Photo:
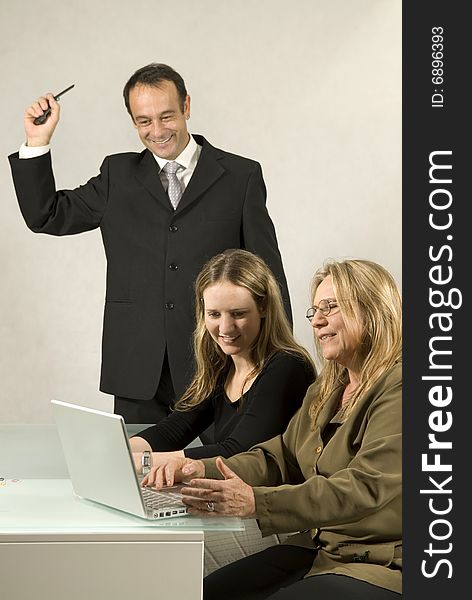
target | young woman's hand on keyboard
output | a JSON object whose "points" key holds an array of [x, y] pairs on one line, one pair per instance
{"points": [[172, 467]]}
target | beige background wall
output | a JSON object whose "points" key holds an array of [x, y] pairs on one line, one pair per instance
{"points": [[312, 90]]}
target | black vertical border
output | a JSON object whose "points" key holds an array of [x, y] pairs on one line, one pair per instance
{"points": [[428, 128]]}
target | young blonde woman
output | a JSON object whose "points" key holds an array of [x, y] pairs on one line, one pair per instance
{"points": [[251, 375]]}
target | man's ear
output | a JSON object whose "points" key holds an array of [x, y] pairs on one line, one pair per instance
{"points": [[187, 107]]}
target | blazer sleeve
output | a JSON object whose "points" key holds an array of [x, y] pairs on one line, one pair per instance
{"points": [[259, 234], [367, 484], [63, 212], [271, 463], [267, 409]]}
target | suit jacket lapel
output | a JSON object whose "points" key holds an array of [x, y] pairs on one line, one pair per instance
{"points": [[330, 408], [148, 175], [207, 171]]}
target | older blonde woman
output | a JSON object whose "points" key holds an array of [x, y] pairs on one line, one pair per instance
{"points": [[335, 474]]}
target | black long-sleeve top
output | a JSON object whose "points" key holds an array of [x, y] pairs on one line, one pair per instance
{"points": [[261, 413]]}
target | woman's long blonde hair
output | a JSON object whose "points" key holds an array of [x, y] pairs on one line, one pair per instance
{"points": [[369, 300], [244, 269]]}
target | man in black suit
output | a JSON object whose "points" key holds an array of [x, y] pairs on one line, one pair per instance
{"points": [[162, 214]]}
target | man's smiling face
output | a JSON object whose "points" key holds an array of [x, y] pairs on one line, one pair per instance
{"points": [[160, 118]]}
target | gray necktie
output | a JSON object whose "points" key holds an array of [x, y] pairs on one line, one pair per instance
{"points": [[174, 190]]}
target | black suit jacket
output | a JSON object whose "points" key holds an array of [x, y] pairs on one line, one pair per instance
{"points": [[153, 252]]}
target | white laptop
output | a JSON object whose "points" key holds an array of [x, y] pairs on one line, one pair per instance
{"points": [[100, 464]]}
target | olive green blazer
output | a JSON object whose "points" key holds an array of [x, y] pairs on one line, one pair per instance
{"points": [[344, 498]]}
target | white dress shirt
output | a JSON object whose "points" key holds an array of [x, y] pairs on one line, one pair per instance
{"points": [[188, 158]]}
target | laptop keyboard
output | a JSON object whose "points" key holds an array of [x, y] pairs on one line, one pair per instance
{"points": [[157, 500]]}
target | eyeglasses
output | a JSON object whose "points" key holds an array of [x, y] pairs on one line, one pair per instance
{"points": [[325, 307]]}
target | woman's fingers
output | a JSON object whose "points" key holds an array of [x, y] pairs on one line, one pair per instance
{"points": [[231, 496], [154, 478], [169, 474]]}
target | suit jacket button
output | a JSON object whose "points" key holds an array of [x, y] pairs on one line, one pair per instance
{"points": [[173, 267], [173, 228], [318, 449], [169, 305]]}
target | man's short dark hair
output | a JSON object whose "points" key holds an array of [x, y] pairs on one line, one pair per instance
{"points": [[153, 75]]}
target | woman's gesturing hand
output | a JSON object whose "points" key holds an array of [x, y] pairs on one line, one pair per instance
{"points": [[230, 497]]}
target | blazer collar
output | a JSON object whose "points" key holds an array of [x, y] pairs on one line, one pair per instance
{"points": [[148, 174], [208, 170], [329, 410]]}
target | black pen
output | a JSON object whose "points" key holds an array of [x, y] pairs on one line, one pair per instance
{"points": [[42, 119]]}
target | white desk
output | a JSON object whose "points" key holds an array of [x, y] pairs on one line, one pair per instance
{"points": [[54, 546]]}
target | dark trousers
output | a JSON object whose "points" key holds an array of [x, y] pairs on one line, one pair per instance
{"points": [[277, 574], [153, 410]]}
